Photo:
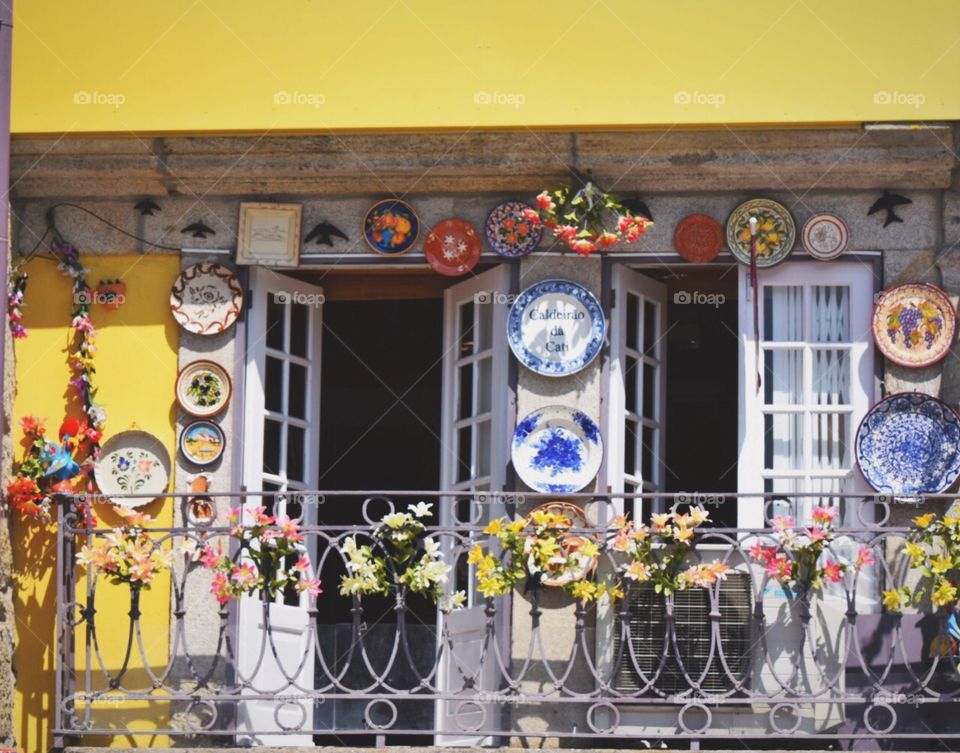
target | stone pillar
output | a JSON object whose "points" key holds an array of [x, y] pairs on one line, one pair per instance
{"points": [[7, 618]]}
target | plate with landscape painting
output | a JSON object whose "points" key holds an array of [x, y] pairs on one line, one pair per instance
{"points": [[557, 450], [202, 442]]}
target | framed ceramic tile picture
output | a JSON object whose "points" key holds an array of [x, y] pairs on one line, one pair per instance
{"points": [[269, 234]]}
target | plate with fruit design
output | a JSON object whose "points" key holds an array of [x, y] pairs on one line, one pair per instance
{"points": [[776, 232], [914, 324], [391, 227]]}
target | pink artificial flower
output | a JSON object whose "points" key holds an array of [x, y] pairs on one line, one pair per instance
{"points": [[825, 515], [260, 516], [865, 556], [310, 585], [209, 558], [545, 202], [815, 534], [290, 528], [832, 571], [220, 587], [244, 574], [783, 523], [780, 567], [302, 565]]}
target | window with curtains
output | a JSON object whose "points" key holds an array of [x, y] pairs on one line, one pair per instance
{"points": [[815, 363]]}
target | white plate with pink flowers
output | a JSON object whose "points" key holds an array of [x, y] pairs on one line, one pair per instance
{"points": [[132, 462]]}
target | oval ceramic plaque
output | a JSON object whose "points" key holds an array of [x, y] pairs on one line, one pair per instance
{"points": [[914, 324], [776, 232], [202, 442], [206, 298], [557, 450], [556, 327], [825, 236], [203, 388], [909, 444], [509, 232], [132, 462]]}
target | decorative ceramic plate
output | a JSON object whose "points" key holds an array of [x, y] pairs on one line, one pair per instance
{"points": [[206, 298], [132, 462], [576, 565], [776, 232], [391, 227], [557, 449], [698, 238], [202, 442], [909, 444], [452, 247], [825, 236], [556, 327], [203, 388], [509, 233], [914, 324]]}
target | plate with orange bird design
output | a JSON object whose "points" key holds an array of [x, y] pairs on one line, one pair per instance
{"points": [[391, 227], [776, 232]]}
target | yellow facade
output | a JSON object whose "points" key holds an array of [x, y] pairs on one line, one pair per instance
{"points": [[244, 65], [136, 365]]}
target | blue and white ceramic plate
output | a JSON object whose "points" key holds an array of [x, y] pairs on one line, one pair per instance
{"points": [[557, 450], [909, 444], [556, 327]]}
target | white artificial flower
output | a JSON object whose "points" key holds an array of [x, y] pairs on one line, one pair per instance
{"points": [[421, 509]]}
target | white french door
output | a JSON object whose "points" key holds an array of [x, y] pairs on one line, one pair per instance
{"points": [[474, 440], [815, 359], [281, 454], [636, 403]]}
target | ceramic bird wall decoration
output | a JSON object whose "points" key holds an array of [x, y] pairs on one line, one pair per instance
{"points": [[638, 207], [324, 233], [199, 230], [60, 456], [147, 207], [889, 202]]}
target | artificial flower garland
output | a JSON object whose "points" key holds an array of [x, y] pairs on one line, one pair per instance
{"points": [[15, 293], [579, 218]]}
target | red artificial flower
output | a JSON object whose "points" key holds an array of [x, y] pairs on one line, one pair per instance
{"points": [[531, 216], [583, 247], [32, 427], [23, 494], [70, 427], [607, 239], [565, 233], [545, 202]]}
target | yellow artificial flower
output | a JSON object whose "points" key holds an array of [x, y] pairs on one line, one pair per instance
{"points": [[476, 554], [914, 551], [951, 521], [493, 527], [922, 521], [893, 600], [941, 564], [945, 594], [584, 589]]}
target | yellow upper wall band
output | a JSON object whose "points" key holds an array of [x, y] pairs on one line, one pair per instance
{"points": [[219, 66]]}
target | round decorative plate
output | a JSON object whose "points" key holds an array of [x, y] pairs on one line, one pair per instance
{"points": [[206, 298], [132, 462], [203, 388], [575, 565], [202, 442], [825, 236], [509, 233], [776, 232], [556, 327], [557, 449], [698, 238], [452, 247], [909, 444], [914, 324], [391, 227]]}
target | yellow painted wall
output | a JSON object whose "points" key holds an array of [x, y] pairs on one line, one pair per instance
{"points": [[247, 65], [136, 370]]}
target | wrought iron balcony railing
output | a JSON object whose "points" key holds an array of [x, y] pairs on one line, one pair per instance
{"points": [[748, 654]]}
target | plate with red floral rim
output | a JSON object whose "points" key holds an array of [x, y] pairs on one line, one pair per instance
{"points": [[203, 388], [776, 232], [509, 232], [698, 238], [825, 236], [391, 227], [914, 324], [452, 247], [132, 462], [206, 298]]}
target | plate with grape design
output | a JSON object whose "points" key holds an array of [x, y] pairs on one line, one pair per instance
{"points": [[557, 450], [914, 324]]}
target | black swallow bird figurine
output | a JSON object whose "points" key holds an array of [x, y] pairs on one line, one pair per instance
{"points": [[324, 233], [199, 230], [638, 208], [147, 206], [889, 201]]}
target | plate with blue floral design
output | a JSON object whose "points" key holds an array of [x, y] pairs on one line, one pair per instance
{"points": [[909, 444], [557, 450], [556, 328], [510, 231]]}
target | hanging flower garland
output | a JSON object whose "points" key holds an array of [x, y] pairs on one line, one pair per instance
{"points": [[15, 293], [582, 218]]}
